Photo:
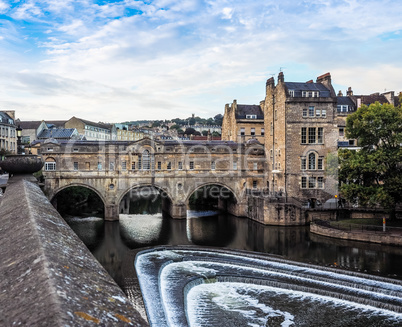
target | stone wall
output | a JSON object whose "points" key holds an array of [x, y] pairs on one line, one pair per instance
{"points": [[270, 211], [49, 277], [366, 236]]}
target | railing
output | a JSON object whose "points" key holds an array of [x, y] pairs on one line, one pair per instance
{"points": [[359, 227]]}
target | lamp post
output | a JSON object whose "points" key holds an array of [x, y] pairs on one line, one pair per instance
{"points": [[19, 134]]}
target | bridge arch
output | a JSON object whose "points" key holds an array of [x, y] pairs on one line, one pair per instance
{"points": [[143, 185], [167, 197], [56, 192], [199, 186]]}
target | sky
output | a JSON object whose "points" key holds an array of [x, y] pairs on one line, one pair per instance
{"points": [[115, 61]]}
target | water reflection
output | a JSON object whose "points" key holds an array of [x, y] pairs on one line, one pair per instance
{"points": [[211, 230], [111, 242]]}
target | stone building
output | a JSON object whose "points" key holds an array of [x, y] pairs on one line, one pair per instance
{"points": [[92, 131], [301, 125], [123, 133], [350, 103], [8, 138], [243, 122], [300, 120]]}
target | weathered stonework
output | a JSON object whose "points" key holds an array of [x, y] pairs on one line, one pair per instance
{"points": [[242, 123], [284, 117], [49, 277], [113, 169]]}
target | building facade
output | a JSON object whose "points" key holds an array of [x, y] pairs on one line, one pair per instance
{"points": [[8, 137], [243, 122], [300, 120], [92, 131], [303, 125]]}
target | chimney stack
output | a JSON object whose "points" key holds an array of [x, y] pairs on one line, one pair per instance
{"points": [[281, 78]]}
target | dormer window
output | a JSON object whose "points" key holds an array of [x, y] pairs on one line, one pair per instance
{"points": [[342, 108], [251, 116], [292, 93], [310, 94]]}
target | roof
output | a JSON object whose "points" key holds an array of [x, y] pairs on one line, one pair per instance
{"points": [[57, 133], [345, 101], [372, 98], [299, 87], [99, 125], [245, 109], [34, 124], [177, 143]]}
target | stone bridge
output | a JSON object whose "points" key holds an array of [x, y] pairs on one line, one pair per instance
{"points": [[177, 169]]}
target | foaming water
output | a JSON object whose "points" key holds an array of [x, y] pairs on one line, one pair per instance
{"points": [[226, 288], [143, 229], [257, 305]]}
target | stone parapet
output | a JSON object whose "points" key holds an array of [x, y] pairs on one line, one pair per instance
{"points": [[49, 277], [366, 236]]}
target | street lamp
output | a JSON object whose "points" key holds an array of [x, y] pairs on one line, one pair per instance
{"points": [[19, 134]]}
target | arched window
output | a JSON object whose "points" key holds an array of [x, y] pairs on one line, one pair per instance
{"points": [[146, 160], [311, 161], [50, 164]]}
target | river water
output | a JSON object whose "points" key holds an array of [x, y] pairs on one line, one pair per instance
{"points": [[115, 244], [110, 241]]}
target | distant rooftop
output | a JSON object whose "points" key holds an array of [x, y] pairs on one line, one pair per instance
{"points": [[57, 133]]}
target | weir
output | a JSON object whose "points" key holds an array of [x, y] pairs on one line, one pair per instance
{"points": [[205, 287]]}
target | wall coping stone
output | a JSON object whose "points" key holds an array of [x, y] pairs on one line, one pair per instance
{"points": [[48, 276]]}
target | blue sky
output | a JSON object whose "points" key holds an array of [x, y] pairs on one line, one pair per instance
{"points": [[127, 60]]}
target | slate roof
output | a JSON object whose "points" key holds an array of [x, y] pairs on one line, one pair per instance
{"points": [[34, 124], [344, 101], [57, 133], [245, 109], [99, 125], [372, 98], [298, 87]]}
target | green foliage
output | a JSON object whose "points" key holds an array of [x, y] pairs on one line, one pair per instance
{"points": [[176, 127], [218, 119], [373, 174]]}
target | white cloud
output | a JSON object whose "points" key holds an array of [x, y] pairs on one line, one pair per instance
{"points": [[4, 6], [180, 56], [227, 13]]}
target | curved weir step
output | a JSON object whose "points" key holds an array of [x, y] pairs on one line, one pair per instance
{"points": [[200, 286]]}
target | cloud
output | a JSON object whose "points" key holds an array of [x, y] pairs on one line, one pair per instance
{"points": [[4, 7], [191, 55]]}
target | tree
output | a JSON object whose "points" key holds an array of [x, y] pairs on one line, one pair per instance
{"points": [[218, 119], [373, 174]]}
